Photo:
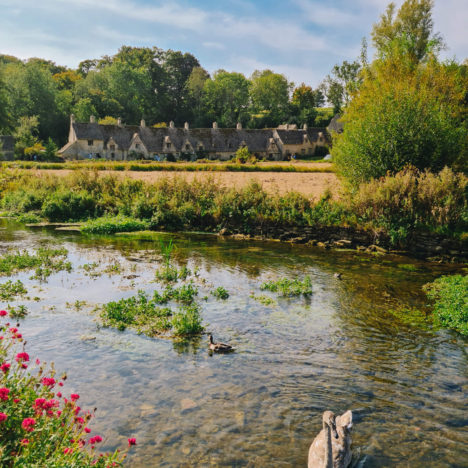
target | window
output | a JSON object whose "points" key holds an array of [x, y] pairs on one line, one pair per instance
{"points": [[90, 142], [187, 147], [112, 147], [200, 148], [137, 145], [168, 145], [303, 150], [112, 155]]}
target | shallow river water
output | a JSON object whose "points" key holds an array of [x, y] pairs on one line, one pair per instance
{"points": [[260, 406]]}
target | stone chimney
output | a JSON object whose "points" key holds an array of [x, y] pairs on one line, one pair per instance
{"points": [[171, 124], [186, 126], [239, 126], [305, 127], [92, 119], [119, 122], [215, 125], [142, 123], [72, 118]]}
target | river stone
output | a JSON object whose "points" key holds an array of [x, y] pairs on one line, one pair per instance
{"points": [[187, 404]]}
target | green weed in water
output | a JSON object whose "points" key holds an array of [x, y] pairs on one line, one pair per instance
{"points": [[17, 312], [288, 288], [220, 293], [46, 261], [10, 290], [187, 321], [113, 224], [408, 267], [265, 300], [450, 297]]}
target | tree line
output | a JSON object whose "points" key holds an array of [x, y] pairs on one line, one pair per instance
{"points": [[37, 95]]}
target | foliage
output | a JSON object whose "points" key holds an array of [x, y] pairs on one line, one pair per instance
{"points": [[17, 312], [220, 293], [40, 426], [450, 297], [113, 224], [66, 205], [45, 260], [288, 288], [242, 155], [263, 299], [107, 120], [10, 290], [187, 321]]}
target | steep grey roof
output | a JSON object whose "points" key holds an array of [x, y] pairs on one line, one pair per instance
{"points": [[212, 139], [7, 143]]}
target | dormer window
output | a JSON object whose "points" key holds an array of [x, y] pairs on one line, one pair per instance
{"points": [[168, 145], [112, 147], [187, 147], [200, 148], [90, 142], [137, 145]]}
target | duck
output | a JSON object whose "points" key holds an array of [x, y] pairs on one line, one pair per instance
{"points": [[220, 347], [332, 446]]}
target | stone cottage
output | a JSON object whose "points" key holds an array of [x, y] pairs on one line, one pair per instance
{"points": [[128, 142]]}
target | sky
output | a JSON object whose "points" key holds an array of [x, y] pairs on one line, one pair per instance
{"points": [[303, 39]]}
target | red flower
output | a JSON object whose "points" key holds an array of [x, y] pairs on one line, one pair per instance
{"points": [[3, 417], [39, 403], [87, 430], [77, 410], [61, 384], [28, 424], [22, 357], [3, 313], [38, 362], [95, 440], [13, 330], [131, 441], [5, 367], [19, 335], [67, 450], [4, 393], [79, 420], [74, 396], [59, 394], [48, 382], [25, 442], [24, 366], [16, 400]]}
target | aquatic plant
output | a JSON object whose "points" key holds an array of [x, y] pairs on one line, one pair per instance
{"points": [[39, 425], [44, 259], [166, 249], [450, 301], [263, 299], [10, 290], [113, 224], [287, 288], [220, 293], [19, 311], [144, 313]]}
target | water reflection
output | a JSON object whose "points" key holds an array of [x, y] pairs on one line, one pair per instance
{"points": [[262, 405]]}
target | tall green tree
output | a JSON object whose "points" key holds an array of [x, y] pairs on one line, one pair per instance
{"points": [[196, 93], [269, 95], [226, 98], [303, 104]]}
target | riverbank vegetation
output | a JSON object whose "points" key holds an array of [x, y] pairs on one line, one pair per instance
{"points": [[410, 201], [40, 424]]}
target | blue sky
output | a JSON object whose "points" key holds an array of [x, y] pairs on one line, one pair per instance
{"points": [[301, 38]]}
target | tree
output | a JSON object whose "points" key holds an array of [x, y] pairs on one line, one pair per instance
{"points": [[270, 93], [226, 98], [4, 112], [410, 31], [303, 103], [108, 120], [26, 135], [196, 92], [403, 115]]}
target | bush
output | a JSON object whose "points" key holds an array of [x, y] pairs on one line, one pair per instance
{"points": [[288, 288], [69, 206], [113, 224], [40, 426], [450, 296]]}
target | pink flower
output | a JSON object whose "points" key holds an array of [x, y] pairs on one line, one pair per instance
{"points": [[131, 441], [77, 410], [28, 424], [3, 417], [25, 442], [67, 450], [59, 394], [16, 400], [13, 330], [5, 367], [79, 420], [22, 357], [24, 366], [74, 396], [39, 403], [38, 362], [61, 384], [19, 335], [48, 382], [4, 393], [95, 440], [3, 313], [87, 430]]}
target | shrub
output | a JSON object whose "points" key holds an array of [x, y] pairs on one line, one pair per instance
{"points": [[40, 426], [450, 296], [113, 224], [69, 206], [187, 321], [220, 293]]}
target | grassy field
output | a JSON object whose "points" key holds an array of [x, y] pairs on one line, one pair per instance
{"points": [[150, 166]]}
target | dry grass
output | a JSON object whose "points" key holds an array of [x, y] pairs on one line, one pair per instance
{"points": [[310, 184]]}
